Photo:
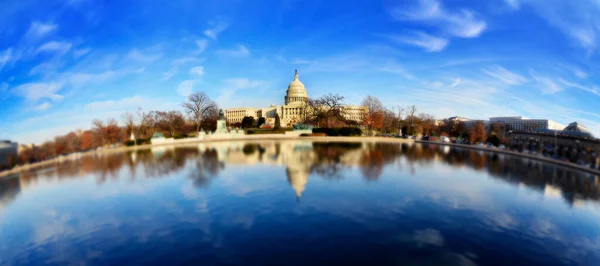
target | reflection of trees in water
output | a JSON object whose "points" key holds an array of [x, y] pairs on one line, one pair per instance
{"points": [[375, 156], [328, 162], [535, 174], [206, 167]]}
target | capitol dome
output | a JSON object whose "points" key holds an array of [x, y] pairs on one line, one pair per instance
{"points": [[296, 91]]}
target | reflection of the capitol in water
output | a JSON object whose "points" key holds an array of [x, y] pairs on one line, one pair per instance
{"points": [[302, 159]]}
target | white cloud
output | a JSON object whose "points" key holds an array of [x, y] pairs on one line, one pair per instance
{"points": [[240, 51], [81, 52], [148, 57], [504, 75], [39, 29], [36, 91], [202, 44], [186, 87], [546, 85], [242, 83], [216, 27], [463, 23], [456, 82], [55, 46], [514, 4], [429, 42], [43, 106], [5, 57], [125, 103], [197, 71], [594, 91], [185, 60], [169, 73]]}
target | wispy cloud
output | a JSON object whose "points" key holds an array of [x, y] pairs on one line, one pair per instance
{"points": [[36, 91], [169, 73], [201, 44], [80, 79], [197, 71], [55, 46], [39, 29], [299, 61], [46, 67], [456, 82], [216, 27], [241, 50], [5, 56], [546, 85], [115, 104], [186, 87], [504, 75], [576, 19], [242, 83], [421, 39], [185, 60], [514, 4], [43, 106], [81, 52], [462, 23], [594, 91], [146, 57]]}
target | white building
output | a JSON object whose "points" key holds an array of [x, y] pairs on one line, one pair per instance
{"points": [[293, 111], [525, 124]]}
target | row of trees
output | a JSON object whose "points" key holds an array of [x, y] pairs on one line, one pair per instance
{"points": [[201, 110]]}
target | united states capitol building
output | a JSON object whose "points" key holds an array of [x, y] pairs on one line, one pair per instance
{"points": [[294, 110]]}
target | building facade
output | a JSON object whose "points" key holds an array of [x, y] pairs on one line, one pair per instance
{"points": [[525, 124], [8, 153], [294, 110]]}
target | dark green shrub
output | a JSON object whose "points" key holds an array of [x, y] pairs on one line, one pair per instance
{"points": [[344, 131], [180, 136], [130, 143], [142, 141]]}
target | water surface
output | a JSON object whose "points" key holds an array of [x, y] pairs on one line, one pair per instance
{"points": [[300, 203]]}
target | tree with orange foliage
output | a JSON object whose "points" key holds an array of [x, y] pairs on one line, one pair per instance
{"points": [[374, 117], [478, 133], [88, 140]]}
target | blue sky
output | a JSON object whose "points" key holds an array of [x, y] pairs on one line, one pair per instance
{"points": [[64, 63]]}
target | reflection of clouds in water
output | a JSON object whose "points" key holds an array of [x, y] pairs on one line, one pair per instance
{"points": [[432, 238], [189, 191], [428, 236], [501, 221]]}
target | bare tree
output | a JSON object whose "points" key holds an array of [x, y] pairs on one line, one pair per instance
{"points": [[400, 110], [199, 106], [326, 109], [129, 122], [410, 115]]}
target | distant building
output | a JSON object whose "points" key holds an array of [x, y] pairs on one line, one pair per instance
{"points": [[294, 109], [8, 152], [519, 123], [574, 129]]}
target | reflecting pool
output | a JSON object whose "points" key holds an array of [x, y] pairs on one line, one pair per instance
{"points": [[300, 203]]}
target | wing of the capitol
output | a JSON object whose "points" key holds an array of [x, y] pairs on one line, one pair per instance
{"points": [[293, 111]]}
